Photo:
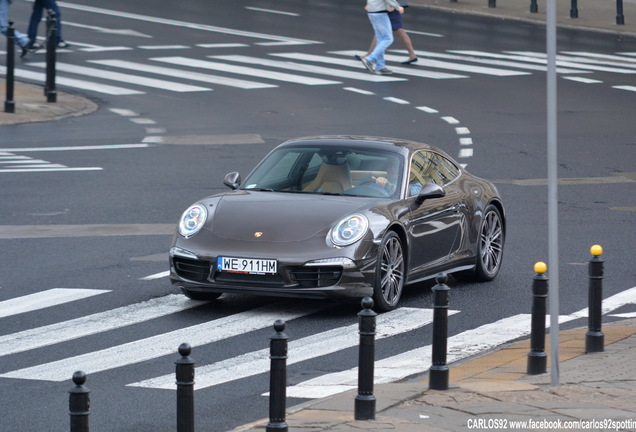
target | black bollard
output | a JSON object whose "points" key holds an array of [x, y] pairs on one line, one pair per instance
{"points": [[51, 44], [534, 7], [620, 18], [492, 3], [278, 379], [537, 357], [574, 10], [185, 389], [594, 338], [438, 374], [79, 403], [365, 401], [9, 103]]}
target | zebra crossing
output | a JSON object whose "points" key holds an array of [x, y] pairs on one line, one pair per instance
{"points": [[323, 343], [183, 74]]}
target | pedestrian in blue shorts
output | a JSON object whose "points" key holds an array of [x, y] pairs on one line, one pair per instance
{"points": [[398, 29]]}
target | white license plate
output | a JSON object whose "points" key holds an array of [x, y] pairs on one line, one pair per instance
{"points": [[246, 265]]}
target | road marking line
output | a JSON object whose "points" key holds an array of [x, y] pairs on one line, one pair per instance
{"points": [[45, 299], [242, 70], [95, 323], [156, 276], [165, 344], [125, 78], [93, 147], [416, 361], [460, 346], [88, 230], [179, 73], [253, 363]]}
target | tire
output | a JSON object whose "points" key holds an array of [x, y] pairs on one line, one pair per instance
{"points": [[490, 245], [389, 273], [195, 295]]}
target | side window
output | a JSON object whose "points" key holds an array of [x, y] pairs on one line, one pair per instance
{"points": [[445, 170], [419, 172]]}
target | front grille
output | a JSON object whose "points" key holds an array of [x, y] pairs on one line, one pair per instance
{"points": [[316, 277], [249, 279], [191, 269]]}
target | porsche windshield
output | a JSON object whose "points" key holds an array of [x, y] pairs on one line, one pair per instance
{"points": [[329, 170]]}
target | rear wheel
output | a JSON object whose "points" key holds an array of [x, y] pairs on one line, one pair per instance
{"points": [[490, 245], [389, 273]]}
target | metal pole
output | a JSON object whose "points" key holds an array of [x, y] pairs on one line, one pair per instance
{"points": [[185, 389], [438, 374], [9, 103], [278, 379], [553, 202], [620, 18], [79, 403], [594, 338], [365, 401], [51, 43], [537, 358], [492, 3]]}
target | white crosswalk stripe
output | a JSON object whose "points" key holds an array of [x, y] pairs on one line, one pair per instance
{"points": [[195, 76], [299, 67], [242, 70], [330, 341], [388, 324], [45, 299], [303, 67], [131, 79], [72, 82], [437, 64], [355, 63], [164, 344], [93, 324]]}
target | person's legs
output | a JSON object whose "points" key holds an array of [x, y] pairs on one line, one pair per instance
{"points": [[34, 22], [408, 44], [52, 4], [384, 38]]}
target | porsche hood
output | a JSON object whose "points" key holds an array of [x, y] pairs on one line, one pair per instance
{"points": [[278, 217]]}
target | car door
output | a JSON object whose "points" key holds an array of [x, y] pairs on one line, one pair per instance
{"points": [[435, 225]]}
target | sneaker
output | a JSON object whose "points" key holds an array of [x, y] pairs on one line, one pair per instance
{"points": [[33, 46], [367, 64], [383, 71], [63, 44]]}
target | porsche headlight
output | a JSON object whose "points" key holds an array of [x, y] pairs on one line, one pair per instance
{"points": [[192, 220], [349, 230]]}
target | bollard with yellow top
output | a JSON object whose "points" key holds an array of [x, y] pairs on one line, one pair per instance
{"points": [[594, 338], [537, 357]]}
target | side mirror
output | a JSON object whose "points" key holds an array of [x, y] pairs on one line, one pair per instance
{"points": [[232, 180], [430, 190]]}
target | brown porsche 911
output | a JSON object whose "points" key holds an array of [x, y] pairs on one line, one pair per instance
{"points": [[341, 217]]}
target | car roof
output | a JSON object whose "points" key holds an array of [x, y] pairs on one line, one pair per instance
{"points": [[358, 141]]}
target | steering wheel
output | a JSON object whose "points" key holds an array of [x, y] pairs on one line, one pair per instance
{"points": [[370, 183]]}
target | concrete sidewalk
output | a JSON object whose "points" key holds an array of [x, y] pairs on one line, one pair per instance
{"points": [[596, 391], [31, 105], [593, 15]]}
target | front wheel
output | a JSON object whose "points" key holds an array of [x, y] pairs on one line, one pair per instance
{"points": [[389, 273], [490, 245]]}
